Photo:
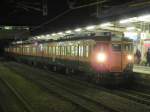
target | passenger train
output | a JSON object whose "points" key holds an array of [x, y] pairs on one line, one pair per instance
{"points": [[106, 57]]}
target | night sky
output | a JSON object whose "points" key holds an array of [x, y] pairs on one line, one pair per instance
{"points": [[12, 12]]}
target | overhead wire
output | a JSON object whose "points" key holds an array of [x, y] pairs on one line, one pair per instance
{"points": [[71, 7]]}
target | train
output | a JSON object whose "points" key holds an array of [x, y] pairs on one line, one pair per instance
{"points": [[105, 57]]}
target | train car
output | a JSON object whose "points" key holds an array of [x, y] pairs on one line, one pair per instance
{"points": [[104, 58]]}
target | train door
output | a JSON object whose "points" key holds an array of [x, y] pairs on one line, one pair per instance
{"points": [[116, 57]]}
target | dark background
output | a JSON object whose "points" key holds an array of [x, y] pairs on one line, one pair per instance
{"points": [[25, 13], [15, 12]]}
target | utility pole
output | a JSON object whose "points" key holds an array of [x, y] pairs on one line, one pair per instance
{"points": [[45, 8], [98, 9]]}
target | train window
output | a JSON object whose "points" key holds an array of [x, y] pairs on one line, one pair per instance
{"points": [[45, 49], [128, 47], [116, 47], [62, 51], [81, 51], [76, 51], [53, 50], [34, 50], [68, 50], [59, 50], [28, 50], [18, 50], [50, 50], [72, 50], [87, 51], [56, 50]]}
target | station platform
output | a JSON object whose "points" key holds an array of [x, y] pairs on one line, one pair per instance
{"points": [[141, 69]]}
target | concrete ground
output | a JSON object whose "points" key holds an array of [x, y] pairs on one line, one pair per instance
{"points": [[141, 69]]}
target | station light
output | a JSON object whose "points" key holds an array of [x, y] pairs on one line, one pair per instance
{"points": [[106, 24], [129, 20], [42, 36], [139, 30], [7, 27], [33, 37], [145, 18], [90, 27], [78, 29], [60, 33], [19, 42], [53, 34], [130, 28], [38, 37], [68, 31], [47, 35]]}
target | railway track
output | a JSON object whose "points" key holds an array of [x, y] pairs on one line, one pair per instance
{"points": [[103, 98], [72, 107], [131, 94], [21, 104], [86, 104]]}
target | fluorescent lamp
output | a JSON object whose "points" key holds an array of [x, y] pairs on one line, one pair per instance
{"points": [[106, 24], [90, 27], [130, 28], [129, 20], [78, 29], [47, 35], [53, 34], [144, 18], [42, 36], [60, 33], [68, 31]]}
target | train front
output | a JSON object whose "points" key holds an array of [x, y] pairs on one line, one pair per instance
{"points": [[113, 59]]}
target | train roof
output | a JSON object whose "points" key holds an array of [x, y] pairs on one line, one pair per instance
{"points": [[96, 38]]}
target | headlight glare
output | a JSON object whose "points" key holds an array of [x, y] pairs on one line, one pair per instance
{"points": [[129, 57], [101, 57]]}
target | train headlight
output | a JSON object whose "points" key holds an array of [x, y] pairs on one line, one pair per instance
{"points": [[101, 57], [129, 57]]}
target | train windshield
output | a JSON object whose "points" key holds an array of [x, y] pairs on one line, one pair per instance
{"points": [[116, 47], [128, 47]]}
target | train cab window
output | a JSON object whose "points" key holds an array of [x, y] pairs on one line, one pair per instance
{"points": [[116, 47], [128, 47]]}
